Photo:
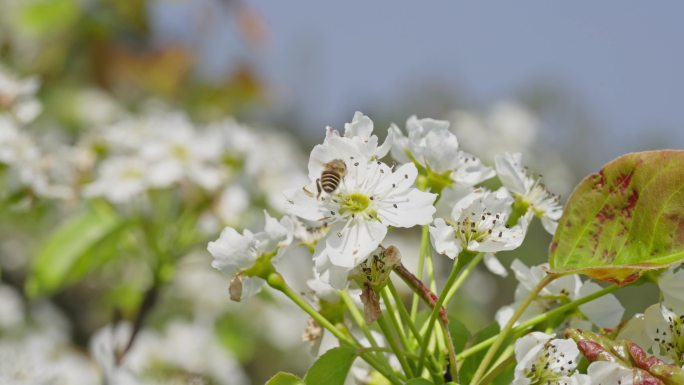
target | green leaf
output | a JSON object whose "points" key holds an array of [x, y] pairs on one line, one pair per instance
{"points": [[419, 381], [332, 367], [459, 333], [624, 219], [76, 247], [283, 378], [471, 363], [49, 16]]}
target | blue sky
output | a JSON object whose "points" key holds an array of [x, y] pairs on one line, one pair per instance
{"points": [[623, 59]]}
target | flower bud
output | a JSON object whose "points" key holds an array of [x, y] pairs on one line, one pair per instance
{"points": [[235, 288]]}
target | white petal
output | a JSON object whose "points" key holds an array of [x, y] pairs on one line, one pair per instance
{"points": [[328, 273], [606, 311], [528, 343], [494, 265], [450, 196], [349, 246], [510, 239], [304, 204], [386, 146], [671, 284], [635, 330], [281, 232], [657, 327], [550, 225], [231, 251], [471, 171], [444, 239], [399, 144], [251, 286], [395, 182], [361, 126], [416, 210], [504, 314], [510, 171], [610, 373]]}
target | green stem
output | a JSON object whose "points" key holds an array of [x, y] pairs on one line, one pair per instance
{"points": [[460, 262], [424, 245], [391, 340], [403, 312], [358, 317], [277, 282], [462, 277], [481, 369], [451, 351], [430, 268], [393, 315], [537, 320], [405, 316], [507, 358]]}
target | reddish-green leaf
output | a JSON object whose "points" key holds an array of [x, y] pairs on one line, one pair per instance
{"points": [[624, 219]]}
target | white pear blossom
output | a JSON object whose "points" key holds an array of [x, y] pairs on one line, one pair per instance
{"points": [[432, 145], [507, 126], [120, 179], [671, 284], [610, 373], [234, 252], [529, 192], [11, 308], [28, 166], [370, 197], [666, 330], [543, 360], [183, 152], [478, 223], [17, 97], [42, 358], [605, 311]]}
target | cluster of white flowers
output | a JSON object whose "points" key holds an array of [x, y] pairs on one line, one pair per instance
{"points": [[34, 346], [545, 360], [353, 197], [17, 97], [541, 359], [122, 156], [26, 165], [159, 149], [660, 329], [184, 353]]}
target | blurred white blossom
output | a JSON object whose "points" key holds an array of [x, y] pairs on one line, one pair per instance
{"points": [[604, 312], [17, 97]]}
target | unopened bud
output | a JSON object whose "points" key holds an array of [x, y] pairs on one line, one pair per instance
{"points": [[235, 288], [377, 268]]}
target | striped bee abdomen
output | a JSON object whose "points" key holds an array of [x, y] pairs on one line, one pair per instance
{"points": [[330, 180], [331, 176]]}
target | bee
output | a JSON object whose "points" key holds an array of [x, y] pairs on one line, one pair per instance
{"points": [[332, 175]]}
